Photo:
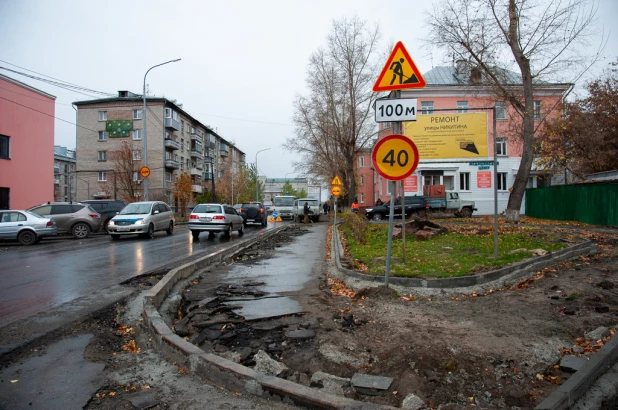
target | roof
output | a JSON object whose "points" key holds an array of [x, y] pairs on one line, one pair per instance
{"points": [[461, 75], [26, 86]]}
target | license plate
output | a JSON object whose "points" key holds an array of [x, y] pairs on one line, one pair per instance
{"points": [[123, 229], [250, 220], [206, 219]]}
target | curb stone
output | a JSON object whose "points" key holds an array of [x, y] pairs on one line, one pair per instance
{"points": [[226, 372], [579, 383]]}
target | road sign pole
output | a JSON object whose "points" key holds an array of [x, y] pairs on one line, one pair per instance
{"points": [[389, 245]]}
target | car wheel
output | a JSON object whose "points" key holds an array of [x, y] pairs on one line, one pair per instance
{"points": [[240, 231], [377, 217], [228, 232], [80, 230], [105, 224], [150, 233], [195, 234], [114, 236], [170, 230], [466, 213], [264, 223], [27, 238], [211, 235]]}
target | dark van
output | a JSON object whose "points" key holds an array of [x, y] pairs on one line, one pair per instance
{"points": [[106, 207]]}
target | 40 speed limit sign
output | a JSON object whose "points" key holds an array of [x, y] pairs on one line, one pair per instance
{"points": [[395, 157]]}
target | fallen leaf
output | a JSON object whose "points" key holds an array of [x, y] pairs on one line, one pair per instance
{"points": [[14, 381]]}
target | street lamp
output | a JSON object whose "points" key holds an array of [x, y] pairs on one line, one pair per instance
{"points": [[144, 119], [256, 175]]}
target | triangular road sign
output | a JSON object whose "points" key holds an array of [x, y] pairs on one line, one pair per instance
{"points": [[336, 181], [399, 72]]}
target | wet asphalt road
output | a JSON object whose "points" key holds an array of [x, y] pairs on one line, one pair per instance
{"points": [[37, 278]]}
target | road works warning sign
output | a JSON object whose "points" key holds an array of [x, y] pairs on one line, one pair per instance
{"points": [[399, 72], [449, 135]]}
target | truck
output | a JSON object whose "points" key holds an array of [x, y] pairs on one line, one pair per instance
{"points": [[299, 207], [284, 206], [446, 201]]}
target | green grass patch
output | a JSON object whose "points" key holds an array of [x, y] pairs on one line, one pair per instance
{"points": [[461, 252]]}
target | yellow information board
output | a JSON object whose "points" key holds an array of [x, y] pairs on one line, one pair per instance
{"points": [[449, 135]]}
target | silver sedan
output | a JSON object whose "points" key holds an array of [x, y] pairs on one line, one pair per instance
{"points": [[213, 218], [25, 227]]}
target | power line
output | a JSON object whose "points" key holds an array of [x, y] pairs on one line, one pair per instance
{"points": [[67, 86], [49, 115]]}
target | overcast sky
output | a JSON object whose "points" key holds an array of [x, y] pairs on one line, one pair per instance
{"points": [[242, 65]]}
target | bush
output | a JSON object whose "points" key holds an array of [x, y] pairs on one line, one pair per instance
{"points": [[356, 223]]}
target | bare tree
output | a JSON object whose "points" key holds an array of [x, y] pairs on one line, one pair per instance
{"points": [[125, 165], [541, 40], [333, 123]]}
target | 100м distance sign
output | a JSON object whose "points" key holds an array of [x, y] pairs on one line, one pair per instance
{"points": [[397, 109]]}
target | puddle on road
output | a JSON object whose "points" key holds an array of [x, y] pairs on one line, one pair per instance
{"points": [[267, 308]]}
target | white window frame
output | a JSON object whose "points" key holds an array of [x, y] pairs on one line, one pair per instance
{"points": [[500, 111], [137, 114], [361, 161], [501, 182], [427, 107], [538, 106], [168, 112], [102, 115], [464, 181], [361, 180], [135, 176], [102, 155], [462, 107], [102, 177], [168, 177], [501, 147], [102, 135], [361, 198], [136, 134], [137, 155]]}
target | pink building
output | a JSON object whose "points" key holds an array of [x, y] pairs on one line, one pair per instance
{"points": [[364, 182], [463, 161], [26, 145]]}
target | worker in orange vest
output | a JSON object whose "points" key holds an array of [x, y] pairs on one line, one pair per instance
{"points": [[355, 205]]}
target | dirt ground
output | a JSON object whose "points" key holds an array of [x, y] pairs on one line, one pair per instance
{"points": [[496, 349]]}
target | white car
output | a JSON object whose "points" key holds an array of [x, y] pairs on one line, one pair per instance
{"points": [[213, 218], [142, 218], [26, 227]]}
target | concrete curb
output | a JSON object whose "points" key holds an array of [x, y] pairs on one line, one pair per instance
{"points": [[579, 383], [226, 372]]}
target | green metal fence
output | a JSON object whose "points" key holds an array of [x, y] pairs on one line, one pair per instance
{"points": [[594, 203]]}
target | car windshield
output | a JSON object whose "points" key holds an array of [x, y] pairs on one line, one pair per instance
{"points": [[207, 209], [310, 202], [248, 205], [284, 201], [136, 209]]}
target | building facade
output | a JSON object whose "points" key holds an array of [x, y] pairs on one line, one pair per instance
{"points": [[26, 145], [110, 149], [64, 174], [274, 186], [462, 160]]}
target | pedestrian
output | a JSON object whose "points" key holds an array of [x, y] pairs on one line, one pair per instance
{"points": [[379, 202], [325, 206], [307, 212], [355, 205]]}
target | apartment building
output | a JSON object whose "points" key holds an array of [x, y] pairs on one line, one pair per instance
{"points": [[456, 146], [110, 147], [64, 174], [26, 145]]}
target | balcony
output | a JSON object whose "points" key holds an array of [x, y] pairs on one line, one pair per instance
{"points": [[224, 150], [196, 137], [170, 163], [207, 176], [209, 141], [170, 143], [172, 123], [197, 154], [197, 189], [195, 172]]}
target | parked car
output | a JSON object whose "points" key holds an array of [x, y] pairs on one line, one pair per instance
{"points": [[299, 209], [107, 208], [143, 219], [73, 218], [213, 218], [254, 212], [413, 205], [25, 227]]}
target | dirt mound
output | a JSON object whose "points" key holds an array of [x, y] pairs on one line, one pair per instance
{"points": [[379, 293]]}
